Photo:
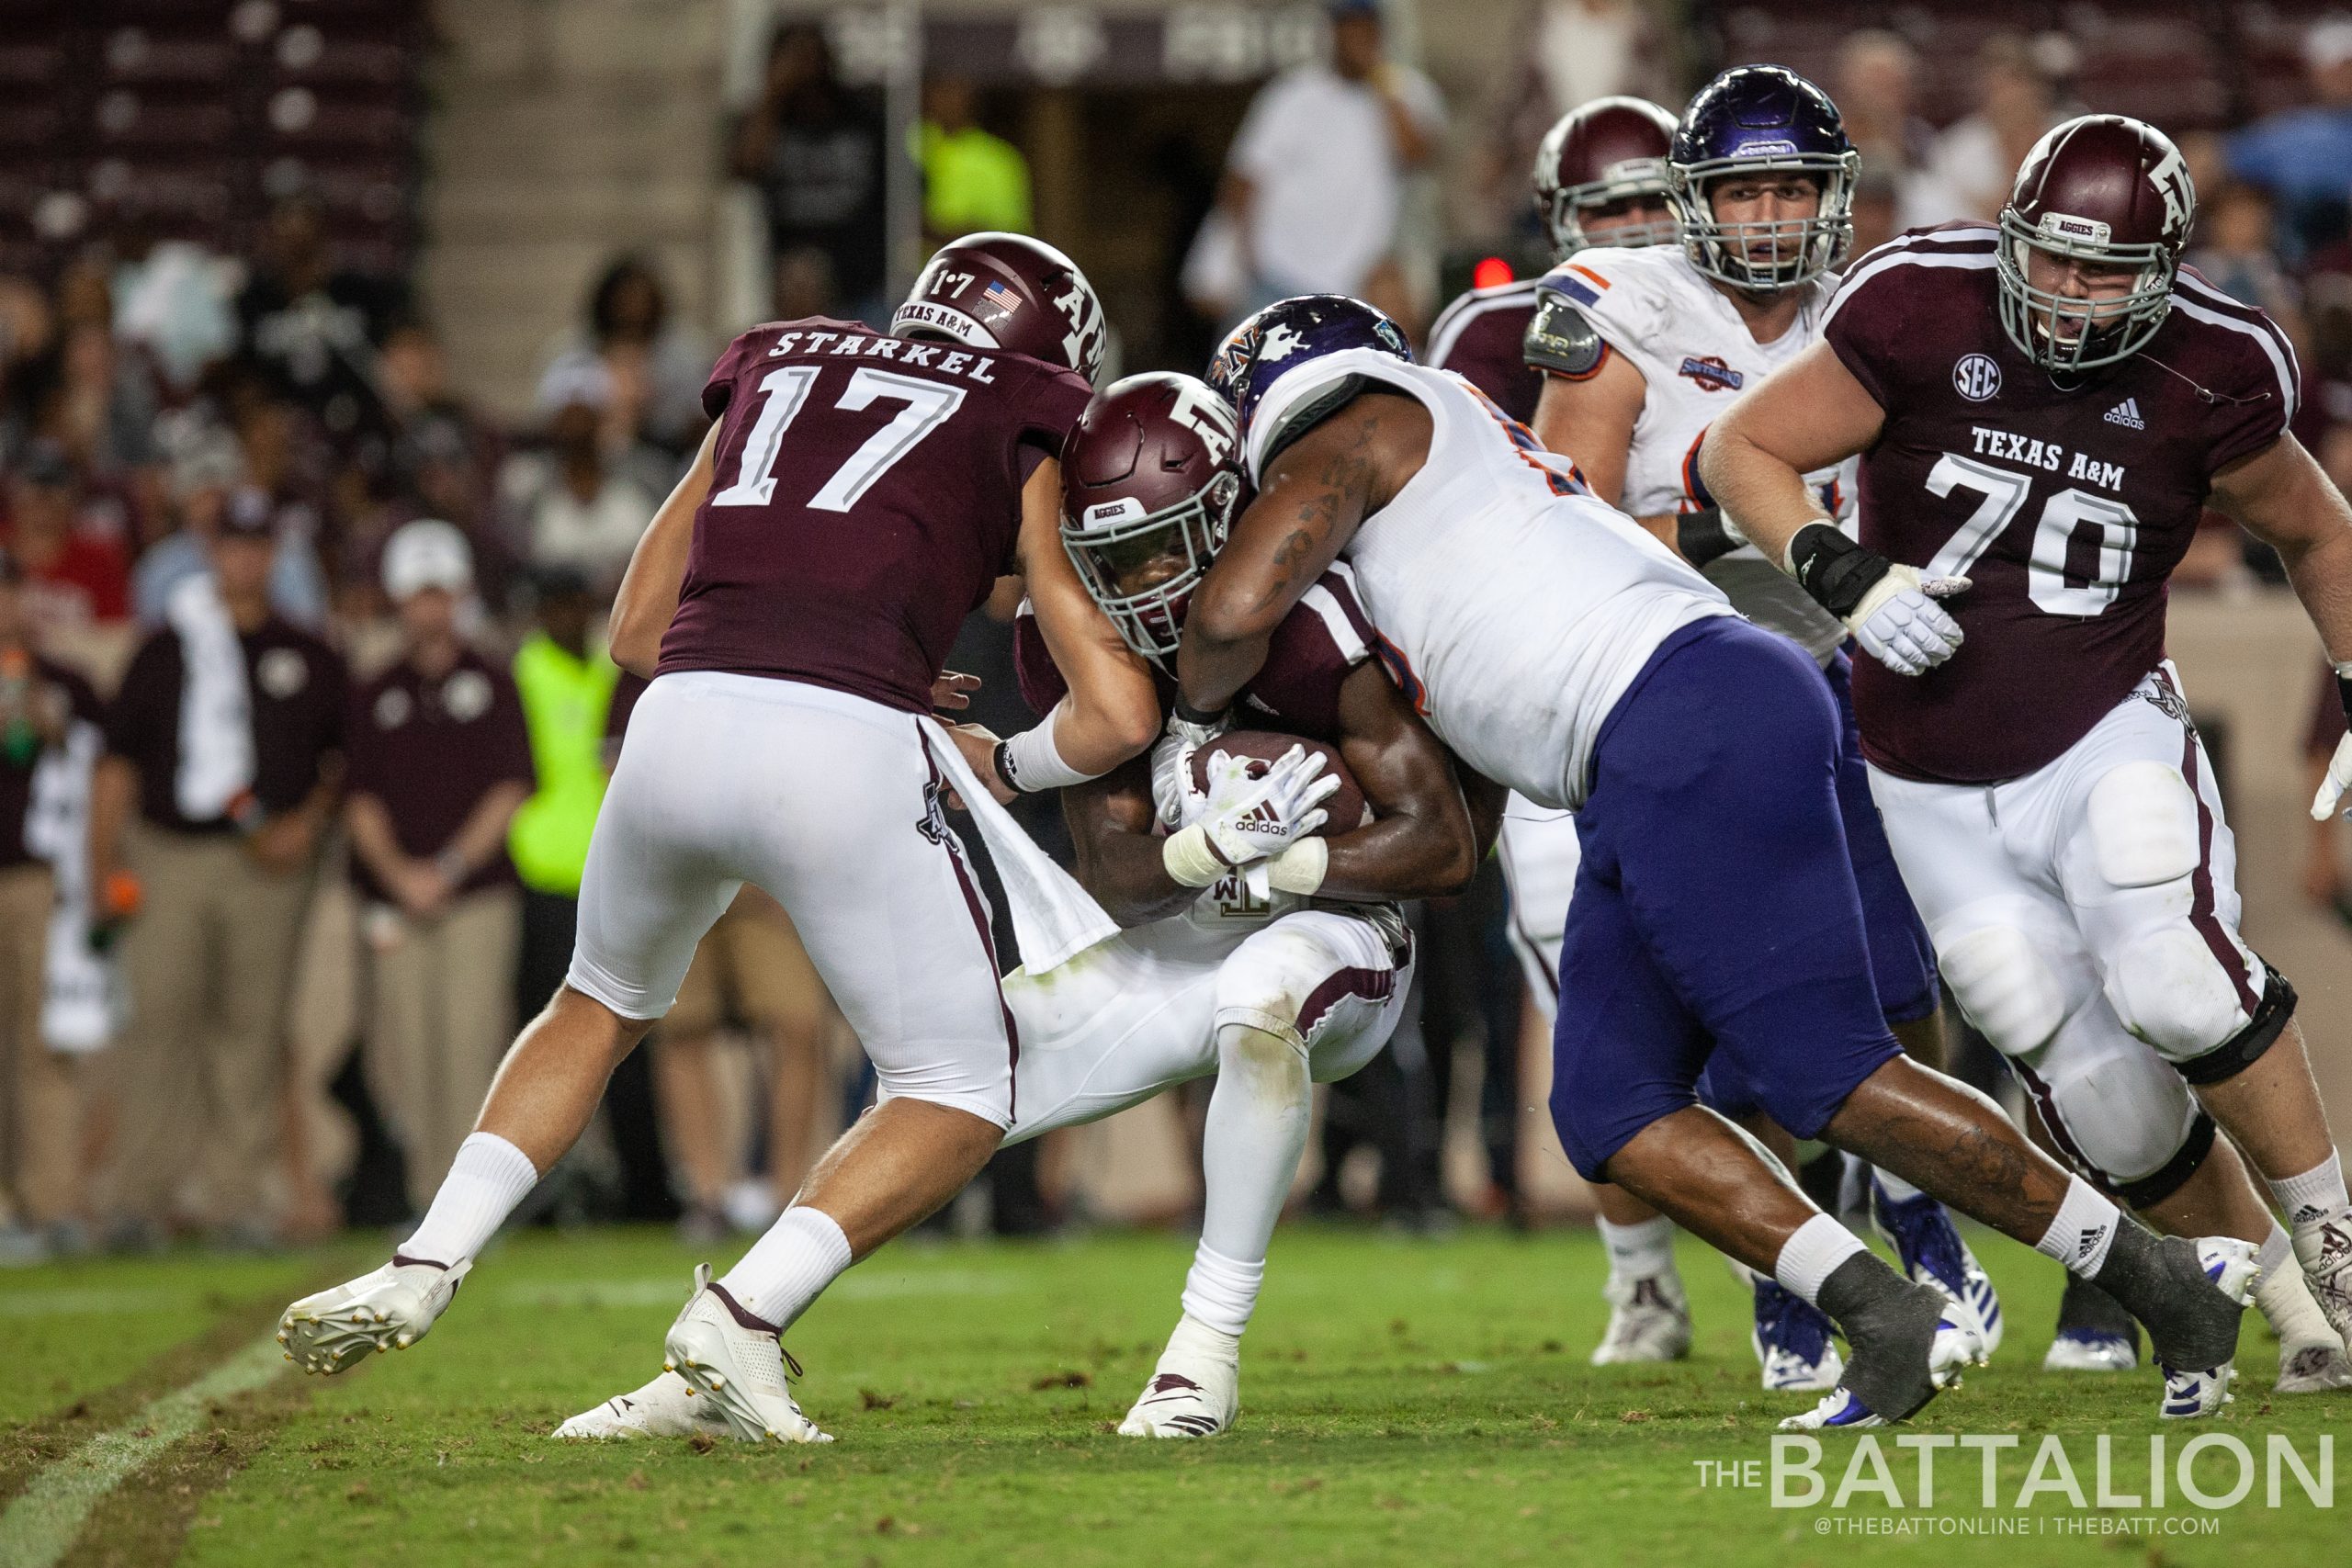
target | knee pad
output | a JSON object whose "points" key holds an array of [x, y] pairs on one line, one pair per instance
{"points": [[2003, 986], [2244, 1048], [1269, 982], [2171, 991], [2143, 819], [2128, 1117]]}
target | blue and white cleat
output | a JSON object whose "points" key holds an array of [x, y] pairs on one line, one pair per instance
{"points": [[1956, 1347], [1795, 1342], [1922, 1233], [2191, 1393]]}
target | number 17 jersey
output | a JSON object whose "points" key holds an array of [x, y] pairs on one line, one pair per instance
{"points": [[2066, 500], [866, 495]]}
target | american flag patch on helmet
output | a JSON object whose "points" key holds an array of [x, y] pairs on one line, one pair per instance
{"points": [[1001, 296]]}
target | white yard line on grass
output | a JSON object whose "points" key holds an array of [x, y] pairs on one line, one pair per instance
{"points": [[41, 1525]]}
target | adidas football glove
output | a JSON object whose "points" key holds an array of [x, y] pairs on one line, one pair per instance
{"points": [[1249, 819], [1891, 609]]}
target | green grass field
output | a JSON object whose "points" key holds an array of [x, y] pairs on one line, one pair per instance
{"points": [[1402, 1400]]}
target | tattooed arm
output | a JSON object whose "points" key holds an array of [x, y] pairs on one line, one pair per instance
{"points": [[1310, 502]]}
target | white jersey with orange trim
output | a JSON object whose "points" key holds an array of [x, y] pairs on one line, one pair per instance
{"points": [[1512, 606], [1669, 322]]}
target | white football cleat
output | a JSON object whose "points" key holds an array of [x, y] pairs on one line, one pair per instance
{"points": [[739, 1364], [2325, 1249], [2194, 1392], [390, 1309], [1837, 1408], [665, 1407], [2315, 1366], [2090, 1351], [1649, 1320], [1194, 1392]]}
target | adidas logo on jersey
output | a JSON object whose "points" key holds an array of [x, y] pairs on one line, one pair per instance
{"points": [[2127, 414]]}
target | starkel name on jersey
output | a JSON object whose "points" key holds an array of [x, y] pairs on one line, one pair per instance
{"points": [[858, 345]]}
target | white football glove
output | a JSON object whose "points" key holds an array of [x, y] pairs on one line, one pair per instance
{"points": [[1249, 819], [1900, 624], [1173, 795]]}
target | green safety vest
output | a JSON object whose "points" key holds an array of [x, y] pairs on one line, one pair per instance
{"points": [[565, 702]]}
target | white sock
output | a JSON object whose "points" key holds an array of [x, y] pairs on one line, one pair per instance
{"points": [[489, 1177], [2282, 1297], [2083, 1231], [1251, 1140], [2317, 1194], [1195, 1339], [789, 1267], [1221, 1292], [1641, 1251], [1812, 1254]]}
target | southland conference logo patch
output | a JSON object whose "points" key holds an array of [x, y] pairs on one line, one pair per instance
{"points": [[1712, 374], [1976, 377]]}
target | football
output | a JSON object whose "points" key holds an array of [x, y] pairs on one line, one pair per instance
{"points": [[1346, 808]]}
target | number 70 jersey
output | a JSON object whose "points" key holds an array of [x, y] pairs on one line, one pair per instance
{"points": [[2066, 501], [866, 496]]}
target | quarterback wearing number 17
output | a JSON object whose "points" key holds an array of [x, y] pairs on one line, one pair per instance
{"points": [[2043, 408]]}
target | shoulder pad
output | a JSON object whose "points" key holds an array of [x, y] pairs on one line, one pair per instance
{"points": [[1560, 341]]}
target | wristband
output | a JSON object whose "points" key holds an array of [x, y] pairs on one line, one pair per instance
{"points": [[1186, 712], [1703, 536], [1190, 857], [1836, 571], [1301, 868], [1029, 763]]}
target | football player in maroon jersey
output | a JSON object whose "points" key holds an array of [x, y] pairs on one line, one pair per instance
{"points": [[1599, 180], [1253, 950], [858, 495], [2044, 409]]}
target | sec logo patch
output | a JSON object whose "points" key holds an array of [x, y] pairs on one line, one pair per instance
{"points": [[1976, 377]]}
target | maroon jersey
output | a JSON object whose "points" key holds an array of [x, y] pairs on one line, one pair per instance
{"points": [[1309, 657], [867, 493], [2066, 501], [1478, 337]]}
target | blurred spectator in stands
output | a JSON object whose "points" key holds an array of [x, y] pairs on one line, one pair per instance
{"points": [[1974, 162], [2303, 157], [815, 149], [40, 1097], [211, 500], [1875, 87], [1877, 209], [310, 327], [2232, 248], [440, 760], [225, 742], [1582, 49], [2324, 882], [654, 365], [566, 681], [805, 285], [76, 572], [27, 328], [971, 180], [172, 302], [435, 457], [1313, 179], [572, 505]]}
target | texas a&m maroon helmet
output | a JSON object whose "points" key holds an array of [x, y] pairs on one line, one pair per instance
{"points": [[1611, 152], [1150, 476], [996, 290], [2099, 194]]}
